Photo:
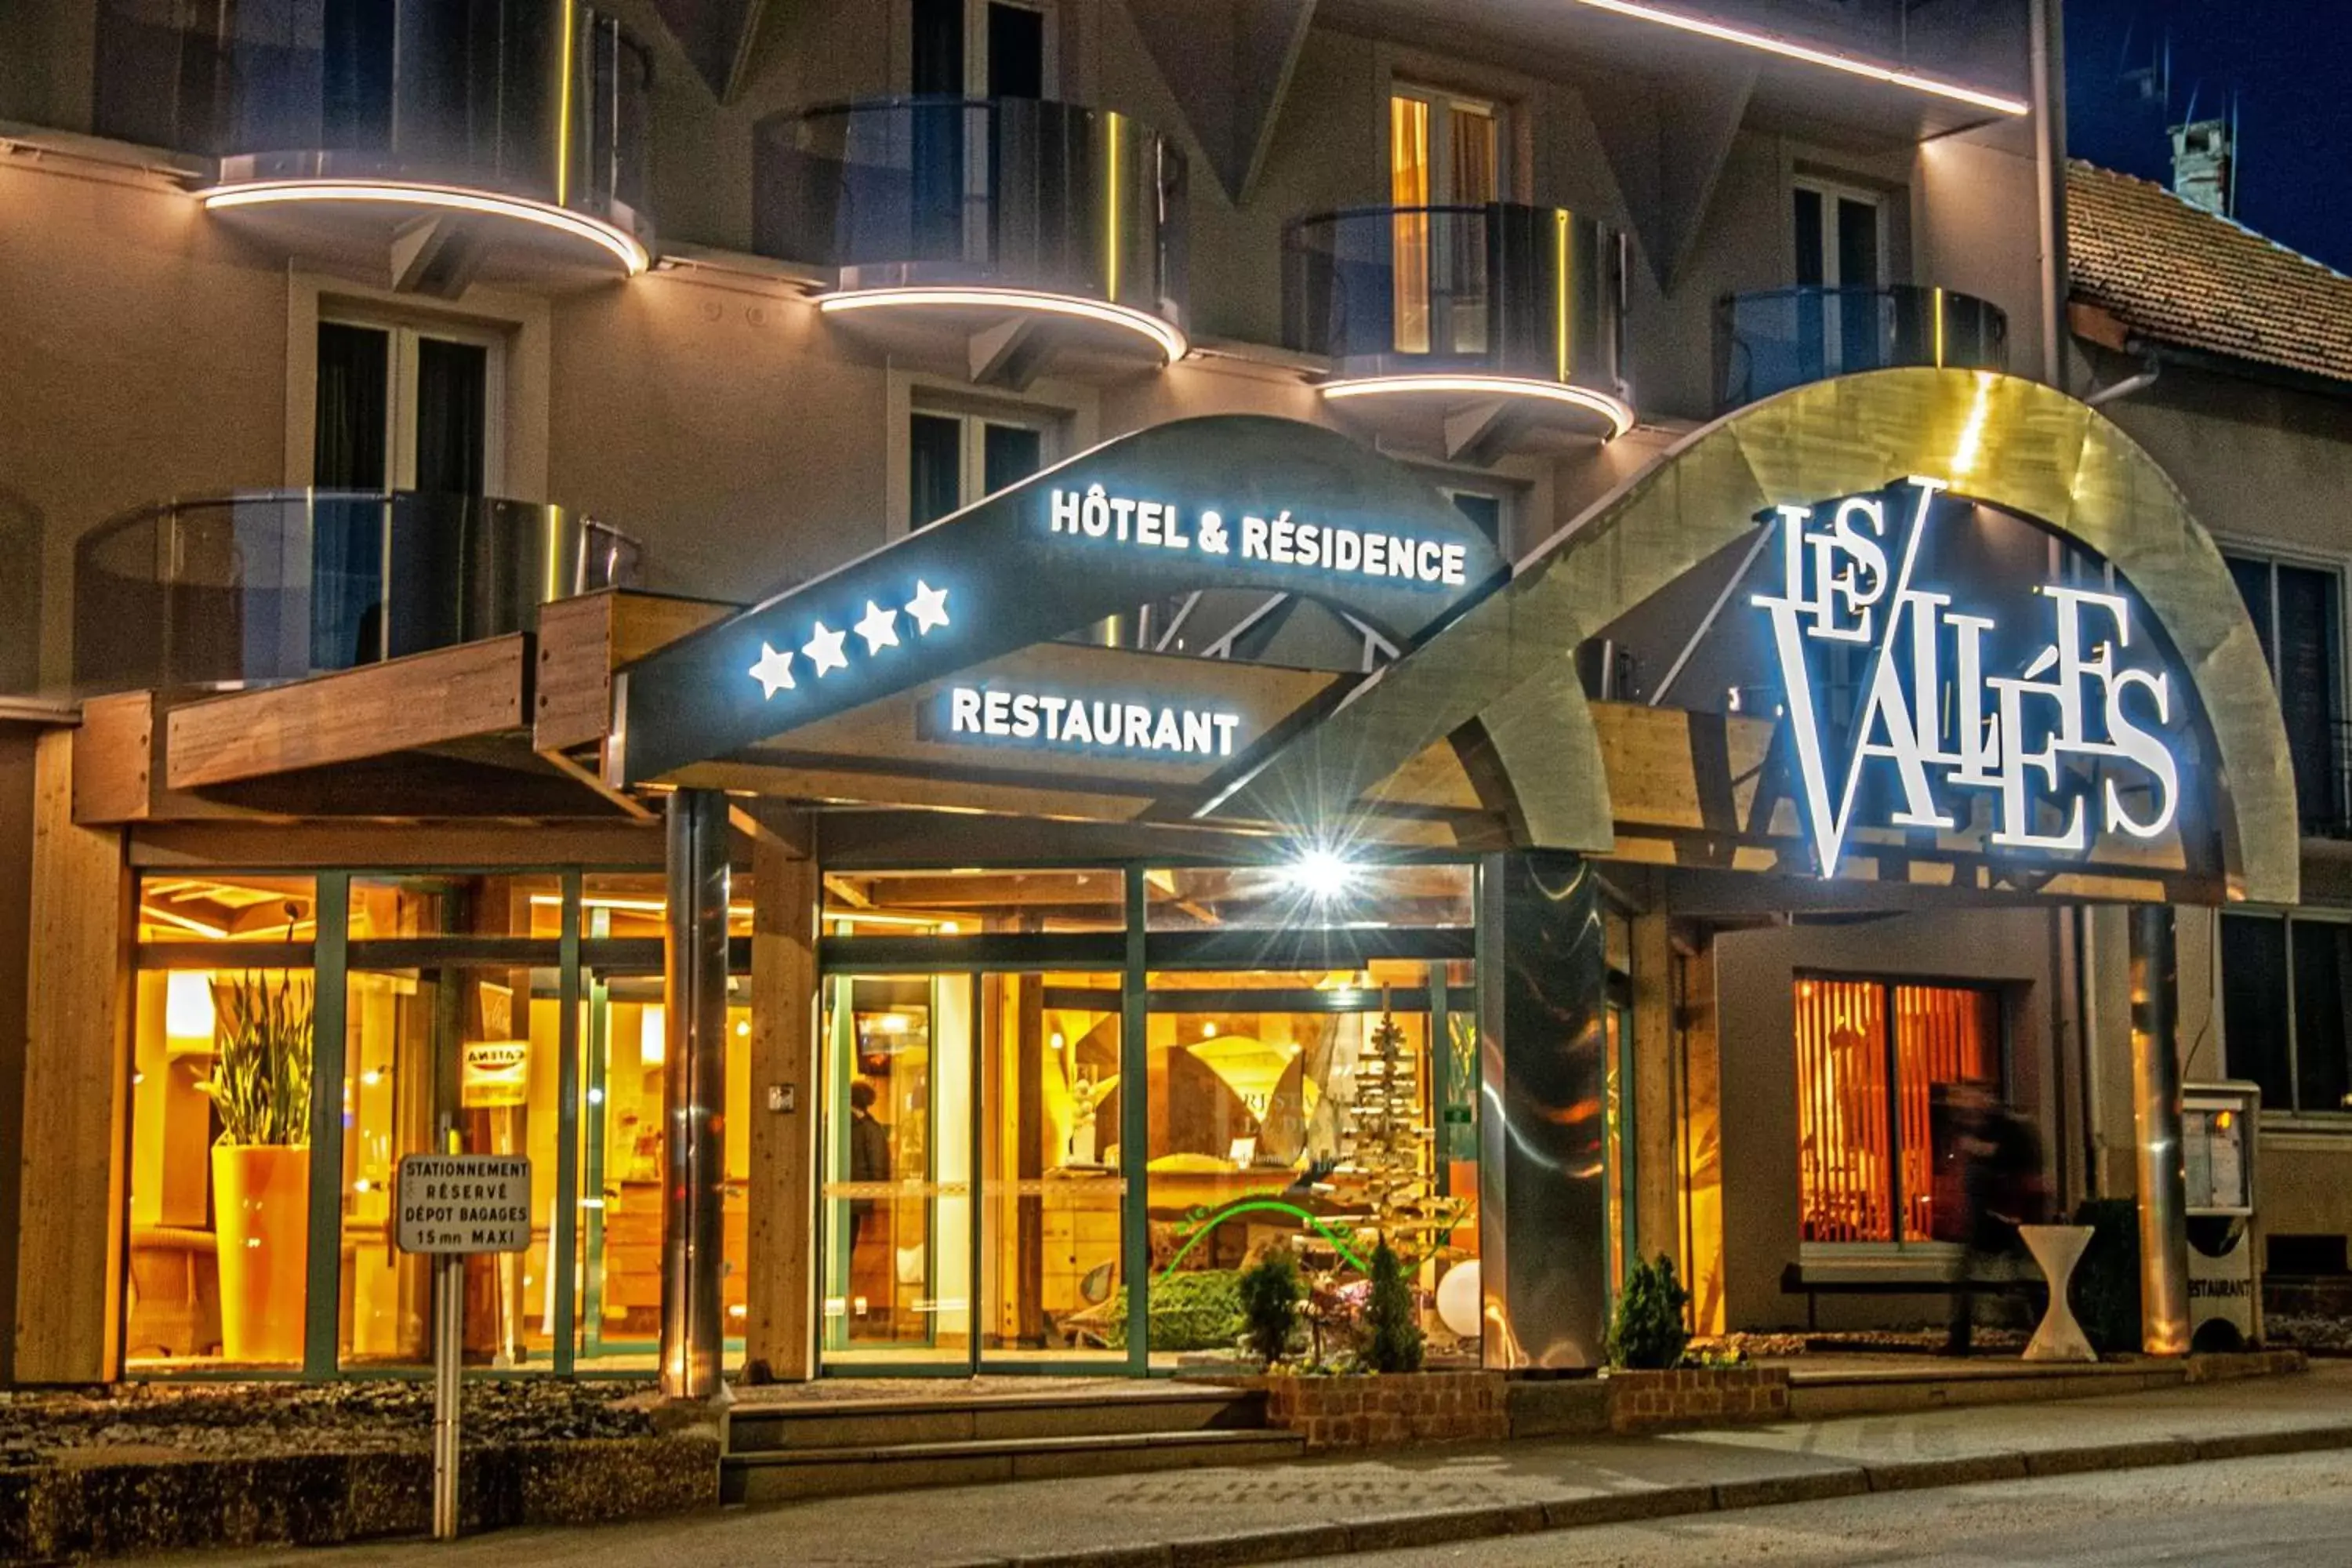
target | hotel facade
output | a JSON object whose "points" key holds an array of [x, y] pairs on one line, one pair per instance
{"points": [[959, 660]]}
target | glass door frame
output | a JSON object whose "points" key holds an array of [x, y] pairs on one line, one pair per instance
{"points": [[975, 959], [1134, 955]]}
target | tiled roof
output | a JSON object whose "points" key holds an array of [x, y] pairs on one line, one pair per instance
{"points": [[2172, 272]]}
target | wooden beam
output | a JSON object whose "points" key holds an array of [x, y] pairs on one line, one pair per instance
{"points": [[1657, 1217], [70, 1244], [582, 640], [114, 759], [390, 843], [427, 698], [778, 1332]]}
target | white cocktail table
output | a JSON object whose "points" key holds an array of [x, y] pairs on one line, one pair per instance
{"points": [[2058, 1248]]}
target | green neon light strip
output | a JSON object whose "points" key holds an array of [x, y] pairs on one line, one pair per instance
{"points": [[1265, 1206]]}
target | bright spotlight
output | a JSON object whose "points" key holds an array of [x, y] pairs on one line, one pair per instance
{"points": [[1320, 873]]}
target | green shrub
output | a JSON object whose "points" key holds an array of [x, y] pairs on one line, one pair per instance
{"points": [[1647, 1331], [2106, 1282], [1270, 1294], [1392, 1340], [1192, 1310]]}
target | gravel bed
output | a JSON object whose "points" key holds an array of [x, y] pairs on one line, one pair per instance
{"points": [[2321, 1333], [1867, 1342], [283, 1418]]}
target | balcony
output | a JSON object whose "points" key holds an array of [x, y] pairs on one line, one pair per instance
{"points": [[1009, 233], [1482, 325], [279, 585], [431, 143], [1768, 343]]}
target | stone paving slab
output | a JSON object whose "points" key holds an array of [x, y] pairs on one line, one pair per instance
{"points": [[1209, 1518]]}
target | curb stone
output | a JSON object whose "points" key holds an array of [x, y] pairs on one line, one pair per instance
{"points": [[1407, 1532]]}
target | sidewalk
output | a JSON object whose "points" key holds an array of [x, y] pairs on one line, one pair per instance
{"points": [[1202, 1519]]}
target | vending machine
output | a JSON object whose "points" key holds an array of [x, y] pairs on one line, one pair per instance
{"points": [[2225, 1287]]}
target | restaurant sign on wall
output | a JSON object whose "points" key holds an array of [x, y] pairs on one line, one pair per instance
{"points": [[1918, 695]]}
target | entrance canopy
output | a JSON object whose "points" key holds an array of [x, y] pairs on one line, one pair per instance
{"points": [[1938, 628]]}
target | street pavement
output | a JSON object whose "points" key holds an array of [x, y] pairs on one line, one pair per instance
{"points": [[1692, 1486], [2293, 1511]]}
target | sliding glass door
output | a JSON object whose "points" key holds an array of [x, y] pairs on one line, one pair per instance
{"points": [[972, 1190]]}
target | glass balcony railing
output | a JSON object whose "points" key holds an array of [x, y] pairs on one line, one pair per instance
{"points": [[279, 585], [541, 100], [1768, 343], [1017, 196], [1503, 291]]}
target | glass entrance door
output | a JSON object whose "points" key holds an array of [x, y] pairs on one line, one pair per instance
{"points": [[973, 1199]]}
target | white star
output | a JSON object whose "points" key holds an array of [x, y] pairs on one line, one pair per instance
{"points": [[928, 606], [879, 628], [773, 672], [823, 648]]}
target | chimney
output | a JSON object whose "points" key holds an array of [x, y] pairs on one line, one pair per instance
{"points": [[2204, 158]]}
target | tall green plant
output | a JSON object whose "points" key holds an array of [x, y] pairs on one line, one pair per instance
{"points": [[1270, 1293], [1394, 1342], [261, 1082], [1647, 1331]]}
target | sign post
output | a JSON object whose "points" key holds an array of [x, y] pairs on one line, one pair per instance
{"points": [[447, 1208]]}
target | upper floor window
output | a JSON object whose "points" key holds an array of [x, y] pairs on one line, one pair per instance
{"points": [[1880, 1065], [1445, 149], [1841, 236], [983, 49], [2298, 616], [2287, 1008], [405, 408], [954, 459]]}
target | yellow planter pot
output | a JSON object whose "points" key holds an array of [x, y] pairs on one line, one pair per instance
{"points": [[261, 1196]]}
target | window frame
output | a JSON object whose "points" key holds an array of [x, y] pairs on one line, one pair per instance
{"points": [[975, 44], [1062, 429], [2335, 1120], [2270, 557], [1902, 1244], [1831, 190], [404, 333], [1441, 136]]}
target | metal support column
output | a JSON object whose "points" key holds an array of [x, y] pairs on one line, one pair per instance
{"points": [[694, 1156], [2156, 1108], [1543, 1205]]}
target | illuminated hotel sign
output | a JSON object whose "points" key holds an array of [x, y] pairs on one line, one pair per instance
{"points": [[1279, 541], [2078, 731], [1083, 724]]}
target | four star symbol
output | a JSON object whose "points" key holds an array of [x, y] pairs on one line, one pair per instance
{"points": [[929, 607], [773, 672], [823, 648], [879, 628]]}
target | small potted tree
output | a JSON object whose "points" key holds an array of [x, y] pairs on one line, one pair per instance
{"points": [[261, 1088]]}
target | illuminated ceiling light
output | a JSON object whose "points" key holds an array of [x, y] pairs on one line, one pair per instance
{"points": [[653, 1033], [1321, 874], [1892, 75], [188, 1005], [624, 246], [1613, 410], [1171, 341]]}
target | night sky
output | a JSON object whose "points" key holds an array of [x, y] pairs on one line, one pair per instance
{"points": [[2289, 63]]}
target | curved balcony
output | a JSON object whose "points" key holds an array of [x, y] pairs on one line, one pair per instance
{"points": [[279, 585], [1768, 343], [1466, 317], [1010, 229], [500, 139]]}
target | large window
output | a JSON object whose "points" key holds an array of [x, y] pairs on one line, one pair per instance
{"points": [[450, 989], [2298, 616], [401, 408], [954, 457], [1876, 1060], [983, 48], [2287, 1008], [1446, 150], [220, 1122]]}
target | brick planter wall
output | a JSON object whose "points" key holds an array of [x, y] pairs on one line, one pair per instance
{"points": [[1694, 1397], [1389, 1409]]}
